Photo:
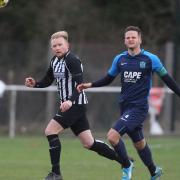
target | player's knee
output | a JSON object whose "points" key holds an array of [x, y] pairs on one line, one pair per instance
{"points": [[140, 144], [87, 145], [53, 128], [48, 131], [113, 137]]}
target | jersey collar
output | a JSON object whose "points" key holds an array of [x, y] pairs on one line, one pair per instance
{"points": [[141, 52]]}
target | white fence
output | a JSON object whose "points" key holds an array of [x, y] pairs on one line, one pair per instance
{"points": [[16, 88]]}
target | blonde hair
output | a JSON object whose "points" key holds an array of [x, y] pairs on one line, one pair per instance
{"points": [[59, 34]]}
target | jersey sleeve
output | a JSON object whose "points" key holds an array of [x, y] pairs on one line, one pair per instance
{"points": [[114, 69], [47, 80], [103, 81], [75, 67], [171, 83], [158, 67]]}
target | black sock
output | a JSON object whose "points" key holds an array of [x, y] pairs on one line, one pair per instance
{"points": [[122, 153], [146, 157], [54, 150], [105, 150]]}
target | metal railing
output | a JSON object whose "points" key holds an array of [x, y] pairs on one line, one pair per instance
{"points": [[16, 88]]}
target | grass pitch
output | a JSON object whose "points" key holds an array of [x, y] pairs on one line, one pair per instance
{"points": [[27, 158]]}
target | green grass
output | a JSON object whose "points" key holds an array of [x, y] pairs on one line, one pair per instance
{"points": [[27, 158]]}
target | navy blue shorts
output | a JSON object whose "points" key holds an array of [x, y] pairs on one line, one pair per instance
{"points": [[131, 121]]}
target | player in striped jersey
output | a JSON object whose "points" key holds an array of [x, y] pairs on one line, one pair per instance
{"points": [[135, 67], [66, 69]]}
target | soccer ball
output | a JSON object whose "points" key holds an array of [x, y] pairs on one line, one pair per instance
{"points": [[3, 3]]}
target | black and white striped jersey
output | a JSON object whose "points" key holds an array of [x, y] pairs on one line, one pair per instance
{"points": [[67, 72]]}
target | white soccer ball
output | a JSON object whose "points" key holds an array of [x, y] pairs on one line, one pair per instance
{"points": [[3, 3]]}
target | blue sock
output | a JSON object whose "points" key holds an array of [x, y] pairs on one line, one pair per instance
{"points": [[146, 156], [121, 151]]}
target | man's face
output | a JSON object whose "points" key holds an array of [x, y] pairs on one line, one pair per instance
{"points": [[132, 40], [59, 46]]}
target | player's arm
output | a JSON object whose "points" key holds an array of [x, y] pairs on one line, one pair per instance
{"points": [[74, 66], [106, 80], [167, 79], [99, 83], [171, 83], [46, 81], [112, 73]]}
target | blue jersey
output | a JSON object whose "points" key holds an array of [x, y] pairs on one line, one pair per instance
{"points": [[136, 73]]}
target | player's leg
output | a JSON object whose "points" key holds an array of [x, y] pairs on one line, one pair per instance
{"points": [[146, 156], [82, 130], [144, 152], [115, 138], [116, 141], [60, 122], [98, 146], [52, 130]]}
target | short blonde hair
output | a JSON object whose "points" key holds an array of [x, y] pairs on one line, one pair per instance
{"points": [[59, 34]]}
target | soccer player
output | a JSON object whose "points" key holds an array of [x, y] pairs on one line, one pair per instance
{"points": [[135, 67], [66, 69]]}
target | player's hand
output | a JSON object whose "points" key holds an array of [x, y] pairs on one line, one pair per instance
{"points": [[82, 86], [65, 105], [30, 82]]}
